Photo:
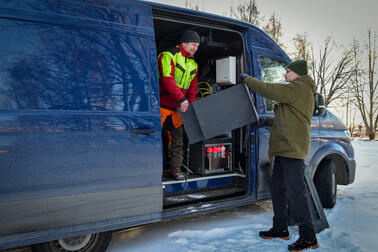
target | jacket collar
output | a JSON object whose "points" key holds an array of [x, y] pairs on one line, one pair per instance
{"points": [[306, 79], [184, 52]]}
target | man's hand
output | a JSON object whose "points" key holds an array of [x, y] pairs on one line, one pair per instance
{"points": [[184, 106], [243, 76]]}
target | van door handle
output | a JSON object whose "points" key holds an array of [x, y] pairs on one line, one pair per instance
{"points": [[142, 131]]}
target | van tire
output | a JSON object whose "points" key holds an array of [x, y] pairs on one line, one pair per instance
{"points": [[96, 242], [325, 183]]}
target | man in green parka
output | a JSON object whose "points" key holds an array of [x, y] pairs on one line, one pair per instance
{"points": [[289, 144]]}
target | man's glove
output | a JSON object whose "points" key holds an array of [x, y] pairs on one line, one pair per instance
{"points": [[243, 76]]}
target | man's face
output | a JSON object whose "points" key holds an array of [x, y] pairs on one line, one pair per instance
{"points": [[190, 47], [290, 75]]}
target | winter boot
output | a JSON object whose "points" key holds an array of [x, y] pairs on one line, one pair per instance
{"points": [[302, 244], [275, 233], [177, 173]]}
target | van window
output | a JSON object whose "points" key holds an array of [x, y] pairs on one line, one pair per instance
{"points": [[272, 71], [58, 67]]}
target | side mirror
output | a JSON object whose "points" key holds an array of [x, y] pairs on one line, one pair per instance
{"points": [[319, 105]]}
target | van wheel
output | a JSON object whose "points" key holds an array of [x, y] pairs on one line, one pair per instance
{"points": [[325, 183], [97, 242]]}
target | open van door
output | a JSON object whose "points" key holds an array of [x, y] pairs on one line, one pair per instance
{"points": [[80, 124]]}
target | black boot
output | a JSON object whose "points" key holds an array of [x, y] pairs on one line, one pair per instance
{"points": [[275, 233], [302, 244]]}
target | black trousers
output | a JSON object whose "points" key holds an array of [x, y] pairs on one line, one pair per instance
{"points": [[287, 187]]}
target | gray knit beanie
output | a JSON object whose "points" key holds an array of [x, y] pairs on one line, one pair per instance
{"points": [[190, 36]]}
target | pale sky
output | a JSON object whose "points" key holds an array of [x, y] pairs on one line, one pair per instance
{"points": [[343, 19]]}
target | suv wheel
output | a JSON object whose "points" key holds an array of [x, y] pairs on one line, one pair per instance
{"points": [[97, 242], [325, 183]]}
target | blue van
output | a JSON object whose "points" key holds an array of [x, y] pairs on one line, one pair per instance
{"points": [[81, 144]]}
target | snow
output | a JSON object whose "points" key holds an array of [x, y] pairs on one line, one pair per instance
{"points": [[353, 222]]}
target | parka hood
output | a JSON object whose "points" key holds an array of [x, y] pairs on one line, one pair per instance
{"points": [[307, 80]]}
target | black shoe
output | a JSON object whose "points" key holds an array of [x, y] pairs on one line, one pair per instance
{"points": [[177, 173], [275, 233], [302, 244]]}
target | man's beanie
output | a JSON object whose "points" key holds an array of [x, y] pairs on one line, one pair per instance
{"points": [[298, 66], [190, 36]]}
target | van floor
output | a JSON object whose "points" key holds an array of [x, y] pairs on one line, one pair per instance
{"points": [[202, 188], [173, 200]]}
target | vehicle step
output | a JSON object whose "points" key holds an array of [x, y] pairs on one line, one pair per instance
{"points": [[201, 196], [199, 178]]}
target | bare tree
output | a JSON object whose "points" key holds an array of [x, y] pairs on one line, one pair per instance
{"points": [[352, 116], [247, 12], [274, 29], [332, 72], [302, 47], [189, 5], [364, 86], [304, 51]]}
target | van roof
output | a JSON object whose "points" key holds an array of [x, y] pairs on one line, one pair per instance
{"points": [[256, 38]]}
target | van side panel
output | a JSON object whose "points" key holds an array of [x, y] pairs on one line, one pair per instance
{"points": [[80, 131]]}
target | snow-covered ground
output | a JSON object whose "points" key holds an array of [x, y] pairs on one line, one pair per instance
{"points": [[353, 222]]}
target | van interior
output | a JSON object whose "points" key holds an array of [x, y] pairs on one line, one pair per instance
{"points": [[216, 168]]}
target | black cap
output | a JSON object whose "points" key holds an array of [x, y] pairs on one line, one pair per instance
{"points": [[190, 36]]}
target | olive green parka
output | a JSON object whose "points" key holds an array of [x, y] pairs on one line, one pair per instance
{"points": [[291, 129]]}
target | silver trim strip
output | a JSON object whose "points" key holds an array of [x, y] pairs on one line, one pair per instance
{"points": [[205, 178]]}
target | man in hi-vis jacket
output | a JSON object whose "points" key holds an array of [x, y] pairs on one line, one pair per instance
{"points": [[289, 144], [178, 87]]}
